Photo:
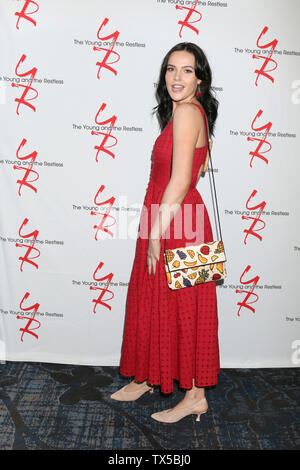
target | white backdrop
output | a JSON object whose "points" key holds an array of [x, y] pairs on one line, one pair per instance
{"points": [[52, 85]]}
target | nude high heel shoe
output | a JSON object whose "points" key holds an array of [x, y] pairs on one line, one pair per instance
{"points": [[168, 416], [123, 395]]}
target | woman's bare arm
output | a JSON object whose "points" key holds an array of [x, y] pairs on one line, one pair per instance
{"points": [[186, 128]]}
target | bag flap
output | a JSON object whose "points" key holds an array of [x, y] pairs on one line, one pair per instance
{"points": [[195, 255]]}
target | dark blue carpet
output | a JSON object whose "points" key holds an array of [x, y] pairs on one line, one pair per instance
{"points": [[53, 406]]}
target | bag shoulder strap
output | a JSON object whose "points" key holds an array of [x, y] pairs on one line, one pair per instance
{"points": [[212, 185]]}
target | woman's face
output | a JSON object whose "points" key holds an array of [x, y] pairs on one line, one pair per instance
{"points": [[180, 77]]}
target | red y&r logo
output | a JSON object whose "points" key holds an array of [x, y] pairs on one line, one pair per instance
{"points": [[25, 14], [266, 60]]}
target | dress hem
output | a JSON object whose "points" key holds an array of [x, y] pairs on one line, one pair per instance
{"points": [[151, 382]]}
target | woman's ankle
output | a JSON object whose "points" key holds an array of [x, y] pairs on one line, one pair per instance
{"points": [[140, 383], [195, 393], [194, 397]]}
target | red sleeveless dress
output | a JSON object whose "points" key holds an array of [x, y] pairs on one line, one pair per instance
{"points": [[170, 334]]}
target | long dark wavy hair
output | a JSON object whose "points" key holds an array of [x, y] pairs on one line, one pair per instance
{"points": [[206, 99]]}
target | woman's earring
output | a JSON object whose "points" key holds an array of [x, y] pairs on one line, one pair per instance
{"points": [[198, 91]]}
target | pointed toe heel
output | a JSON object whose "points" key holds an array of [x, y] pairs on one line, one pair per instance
{"points": [[123, 395], [173, 416]]}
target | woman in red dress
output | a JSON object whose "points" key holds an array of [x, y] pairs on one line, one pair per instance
{"points": [[173, 334]]}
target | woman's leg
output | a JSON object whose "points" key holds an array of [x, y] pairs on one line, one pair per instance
{"points": [[192, 396], [196, 393], [193, 402]]}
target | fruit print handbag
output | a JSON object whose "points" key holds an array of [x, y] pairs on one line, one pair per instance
{"points": [[191, 265]]}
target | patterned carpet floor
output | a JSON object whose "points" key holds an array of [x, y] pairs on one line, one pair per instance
{"points": [[66, 407]]}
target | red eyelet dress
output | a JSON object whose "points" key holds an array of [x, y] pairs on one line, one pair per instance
{"points": [[170, 334]]}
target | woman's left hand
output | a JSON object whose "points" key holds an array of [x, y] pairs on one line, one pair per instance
{"points": [[153, 254]]}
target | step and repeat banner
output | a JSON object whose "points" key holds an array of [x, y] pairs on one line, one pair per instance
{"points": [[77, 88]]}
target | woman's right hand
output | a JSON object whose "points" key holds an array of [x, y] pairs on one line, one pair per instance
{"points": [[153, 255]]}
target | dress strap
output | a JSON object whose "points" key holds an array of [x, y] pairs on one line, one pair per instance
{"points": [[197, 105]]}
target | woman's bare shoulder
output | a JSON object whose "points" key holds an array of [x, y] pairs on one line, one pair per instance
{"points": [[184, 110]]}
